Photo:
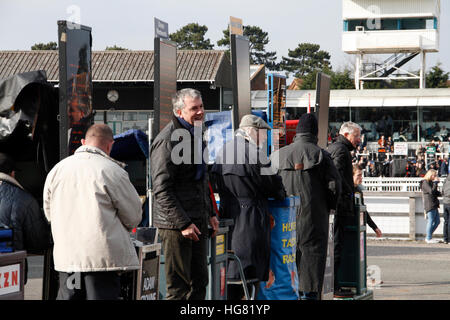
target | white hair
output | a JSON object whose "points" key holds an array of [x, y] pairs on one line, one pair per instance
{"points": [[349, 127], [178, 98]]}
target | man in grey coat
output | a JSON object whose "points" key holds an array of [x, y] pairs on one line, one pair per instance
{"points": [[446, 200], [308, 171]]}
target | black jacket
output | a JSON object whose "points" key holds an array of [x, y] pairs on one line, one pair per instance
{"points": [[446, 190], [179, 199], [244, 188], [430, 195], [308, 171], [340, 153], [21, 212]]}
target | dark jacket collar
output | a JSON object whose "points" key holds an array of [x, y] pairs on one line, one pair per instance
{"points": [[345, 142], [306, 137]]}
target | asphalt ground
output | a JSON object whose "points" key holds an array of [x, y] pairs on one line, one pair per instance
{"points": [[409, 270]]}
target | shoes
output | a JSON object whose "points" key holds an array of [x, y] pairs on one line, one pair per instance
{"points": [[343, 293], [432, 241]]}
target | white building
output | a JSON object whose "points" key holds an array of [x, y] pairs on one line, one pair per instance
{"points": [[404, 28]]}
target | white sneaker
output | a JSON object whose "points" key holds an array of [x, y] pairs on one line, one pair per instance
{"points": [[432, 241]]}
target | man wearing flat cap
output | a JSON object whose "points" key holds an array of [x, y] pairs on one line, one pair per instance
{"points": [[244, 188], [308, 171]]}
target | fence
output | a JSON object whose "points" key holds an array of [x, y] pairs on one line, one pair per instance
{"points": [[386, 184]]}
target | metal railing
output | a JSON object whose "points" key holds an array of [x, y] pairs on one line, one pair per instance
{"points": [[385, 184]]}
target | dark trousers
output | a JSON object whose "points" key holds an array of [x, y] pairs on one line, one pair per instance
{"points": [[340, 222], [185, 263], [446, 222], [89, 286]]}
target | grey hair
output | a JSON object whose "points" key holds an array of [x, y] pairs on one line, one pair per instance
{"points": [[178, 98], [349, 127]]}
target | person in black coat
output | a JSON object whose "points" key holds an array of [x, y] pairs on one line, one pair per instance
{"points": [[357, 179], [308, 171], [20, 212], [349, 138], [244, 184]]}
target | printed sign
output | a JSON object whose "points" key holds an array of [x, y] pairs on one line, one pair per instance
{"points": [[9, 279], [401, 148], [161, 29], [149, 284], [236, 26]]}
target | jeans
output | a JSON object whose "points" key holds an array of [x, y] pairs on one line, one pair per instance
{"points": [[433, 221], [446, 224]]}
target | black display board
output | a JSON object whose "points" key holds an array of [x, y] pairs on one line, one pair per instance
{"points": [[165, 82], [240, 52], [322, 106], [75, 85]]}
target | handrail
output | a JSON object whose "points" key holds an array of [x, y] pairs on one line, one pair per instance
{"points": [[386, 184]]}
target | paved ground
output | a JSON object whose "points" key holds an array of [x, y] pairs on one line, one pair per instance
{"points": [[410, 270]]}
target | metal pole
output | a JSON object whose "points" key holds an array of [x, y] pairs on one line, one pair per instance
{"points": [[149, 177]]}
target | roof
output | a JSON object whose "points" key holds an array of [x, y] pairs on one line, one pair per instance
{"points": [[362, 98], [121, 65]]}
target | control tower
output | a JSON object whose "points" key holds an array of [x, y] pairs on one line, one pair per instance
{"points": [[403, 28]]}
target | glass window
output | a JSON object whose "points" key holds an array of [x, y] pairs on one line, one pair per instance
{"points": [[130, 116], [411, 24], [113, 116], [389, 24]]}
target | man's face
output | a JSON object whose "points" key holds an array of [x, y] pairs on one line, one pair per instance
{"points": [[358, 177], [354, 137], [193, 110]]}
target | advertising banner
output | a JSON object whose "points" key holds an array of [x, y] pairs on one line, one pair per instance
{"points": [[283, 277], [75, 85]]}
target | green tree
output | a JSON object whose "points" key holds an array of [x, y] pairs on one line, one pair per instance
{"points": [[339, 79], [114, 47], [258, 39], [45, 46], [305, 59], [192, 37], [437, 78]]}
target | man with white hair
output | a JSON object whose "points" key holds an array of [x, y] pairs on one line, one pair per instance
{"points": [[349, 138]]}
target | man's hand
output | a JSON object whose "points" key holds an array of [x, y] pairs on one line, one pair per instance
{"points": [[191, 232], [215, 225]]}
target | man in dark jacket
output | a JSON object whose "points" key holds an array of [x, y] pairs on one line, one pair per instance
{"points": [[446, 201], [244, 185], [182, 206], [349, 138], [308, 171], [20, 211]]}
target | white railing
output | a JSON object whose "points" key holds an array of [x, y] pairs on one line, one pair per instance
{"points": [[386, 184]]}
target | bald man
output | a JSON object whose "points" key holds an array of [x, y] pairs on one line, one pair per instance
{"points": [[91, 206]]}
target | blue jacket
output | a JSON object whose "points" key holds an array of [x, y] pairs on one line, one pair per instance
{"points": [[21, 212]]}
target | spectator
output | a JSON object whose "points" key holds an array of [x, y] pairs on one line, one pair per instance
{"points": [[382, 142], [431, 202], [357, 180], [20, 212], [373, 131], [182, 205], [443, 168], [446, 201], [244, 189], [443, 133], [349, 138], [92, 206], [420, 170], [313, 180]]}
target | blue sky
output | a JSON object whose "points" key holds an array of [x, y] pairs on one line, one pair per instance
{"points": [[130, 23]]}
